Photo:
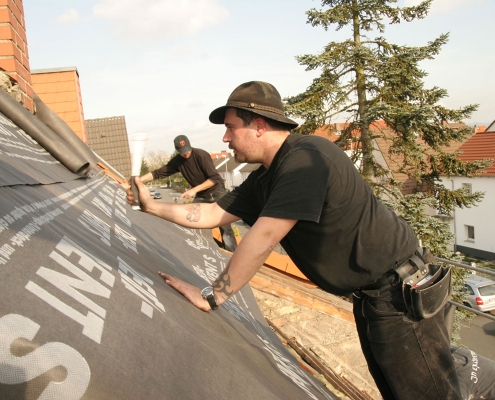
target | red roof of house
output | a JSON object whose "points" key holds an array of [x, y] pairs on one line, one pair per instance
{"points": [[332, 132], [480, 146], [220, 155]]}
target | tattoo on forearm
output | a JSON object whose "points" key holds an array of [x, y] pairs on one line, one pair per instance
{"points": [[222, 283], [194, 212]]}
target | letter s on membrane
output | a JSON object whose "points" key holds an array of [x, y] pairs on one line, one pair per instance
{"points": [[15, 370]]}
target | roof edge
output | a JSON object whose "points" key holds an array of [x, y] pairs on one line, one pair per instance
{"points": [[49, 70]]}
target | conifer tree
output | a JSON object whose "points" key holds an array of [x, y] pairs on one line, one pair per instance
{"points": [[364, 80]]}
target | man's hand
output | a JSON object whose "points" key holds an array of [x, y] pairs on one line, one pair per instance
{"points": [[144, 194], [190, 292], [126, 185], [190, 194]]}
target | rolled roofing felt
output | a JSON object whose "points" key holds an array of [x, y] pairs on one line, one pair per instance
{"points": [[40, 132]]}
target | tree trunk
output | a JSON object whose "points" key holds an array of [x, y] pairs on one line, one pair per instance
{"points": [[366, 143]]}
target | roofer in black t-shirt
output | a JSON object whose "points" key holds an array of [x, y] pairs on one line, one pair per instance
{"points": [[308, 196], [198, 170]]}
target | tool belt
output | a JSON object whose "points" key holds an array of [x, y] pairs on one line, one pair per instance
{"points": [[426, 287], [425, 300]]}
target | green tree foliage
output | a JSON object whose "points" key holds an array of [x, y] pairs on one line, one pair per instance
{"points": [[364, 80], [144, 168]]}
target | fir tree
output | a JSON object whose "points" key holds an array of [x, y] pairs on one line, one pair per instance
{"points": [[368, 80]]}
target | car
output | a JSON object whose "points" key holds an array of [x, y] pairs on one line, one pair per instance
{"points": [[152, 192], [157, 195], [480, 293]]}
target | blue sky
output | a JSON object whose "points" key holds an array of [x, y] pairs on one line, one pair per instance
{"points": [[166, 64]]}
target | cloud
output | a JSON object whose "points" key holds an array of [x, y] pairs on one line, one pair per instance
{"points": [[149, 20], [71, 16], [442, 6]]}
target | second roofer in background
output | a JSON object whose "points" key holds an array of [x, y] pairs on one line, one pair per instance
{"points": [[308, 195], [207, 185]]}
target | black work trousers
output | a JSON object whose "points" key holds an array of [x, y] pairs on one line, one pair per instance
{"points": [[228, 237], [409, 358]]}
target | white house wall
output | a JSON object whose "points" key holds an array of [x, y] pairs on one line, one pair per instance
{"points": [[232, 178], [481, 218], [238, 175]]}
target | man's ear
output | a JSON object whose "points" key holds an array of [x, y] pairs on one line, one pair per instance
{"points": [[260, 126]]}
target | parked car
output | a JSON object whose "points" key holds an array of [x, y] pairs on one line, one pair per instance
{"points": [[152, 192], [157, 195], [480, 293]]}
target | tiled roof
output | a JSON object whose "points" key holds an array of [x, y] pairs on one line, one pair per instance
{"points": [[232, 164], [107, 137], [218, 161], [332, 132], [393, 161], [480, 146], [220, 155], [328, 131], [60, 90]]}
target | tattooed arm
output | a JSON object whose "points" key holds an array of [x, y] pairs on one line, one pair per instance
{"points": [[254, 249], [195, 215]]}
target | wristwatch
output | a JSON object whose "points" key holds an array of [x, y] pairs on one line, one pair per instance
{"points": [[209, 295]]}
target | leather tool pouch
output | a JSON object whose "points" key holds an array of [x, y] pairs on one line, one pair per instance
{"points": [[425, 300]]}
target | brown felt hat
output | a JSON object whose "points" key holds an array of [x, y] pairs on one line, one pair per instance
{"points": [[258, 97]]}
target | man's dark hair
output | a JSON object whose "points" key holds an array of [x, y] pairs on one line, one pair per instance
{"points": [[248, 117]]}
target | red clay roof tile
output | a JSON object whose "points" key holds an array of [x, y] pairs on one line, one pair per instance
{"points": [[480, 146]]}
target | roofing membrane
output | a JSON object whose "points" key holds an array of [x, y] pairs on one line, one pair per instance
{"points": [[24, 162]]}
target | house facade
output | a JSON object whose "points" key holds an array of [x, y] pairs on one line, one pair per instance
{"points": [[232, 172], [474, 227]]}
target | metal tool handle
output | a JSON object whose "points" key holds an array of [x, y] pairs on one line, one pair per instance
{"points": [[136, 205]]}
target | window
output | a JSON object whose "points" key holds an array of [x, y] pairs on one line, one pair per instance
{"points": [[488, 290], [468, 188], [469, 289], [469, 232]]}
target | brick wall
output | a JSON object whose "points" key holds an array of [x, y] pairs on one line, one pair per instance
{"points": [[14, 57], [60, 90]]}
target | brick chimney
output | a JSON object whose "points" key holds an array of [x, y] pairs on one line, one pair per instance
{"points": [[14, 59]]}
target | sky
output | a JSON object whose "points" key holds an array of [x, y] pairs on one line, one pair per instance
{"points": [[166, 64]]}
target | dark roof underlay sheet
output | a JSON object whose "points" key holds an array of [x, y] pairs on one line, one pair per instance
{"points": [[68, 155], [24, 162], [84, 315]]}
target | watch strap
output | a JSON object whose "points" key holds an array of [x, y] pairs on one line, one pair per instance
{"points": [[209, 295], [213, 303]]}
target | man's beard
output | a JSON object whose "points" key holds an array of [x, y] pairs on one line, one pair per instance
{"points": [[239, 160], [243, 158]]}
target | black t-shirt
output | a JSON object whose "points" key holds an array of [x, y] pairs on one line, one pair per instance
{"points": [[196, 169], [344, 238]]}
